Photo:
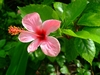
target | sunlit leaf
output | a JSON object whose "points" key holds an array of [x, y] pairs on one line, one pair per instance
{"points": [[84, 34], [93, 30], [60, 8], [91, 15], [86, 49], [69, 32], [73, 10], [45, 11]]}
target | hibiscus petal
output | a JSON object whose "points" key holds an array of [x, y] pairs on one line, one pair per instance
{"points": [[51, 47], [33, 46], [32, 21], [51, 25], [26, 36]]}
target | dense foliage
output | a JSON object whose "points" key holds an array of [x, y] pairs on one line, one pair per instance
{"points": [[79, 36]]}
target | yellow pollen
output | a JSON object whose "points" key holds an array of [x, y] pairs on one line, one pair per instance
{"points": [[13, 30]]}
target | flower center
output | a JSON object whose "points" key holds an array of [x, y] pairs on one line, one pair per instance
{"points": [[41, 35]]}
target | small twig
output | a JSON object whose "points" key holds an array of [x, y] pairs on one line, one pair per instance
{"points": [[92, 73], [57, 70]]}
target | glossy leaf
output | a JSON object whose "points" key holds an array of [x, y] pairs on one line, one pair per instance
{"points": [[60, 8], [91, 15], [90, 19], [73, 10], [86, 49], [43, 10]]}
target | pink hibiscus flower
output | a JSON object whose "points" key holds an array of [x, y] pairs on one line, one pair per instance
{"points": [[38, 32]]}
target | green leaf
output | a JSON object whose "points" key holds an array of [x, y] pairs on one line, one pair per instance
{"points": [[69, 32], [47, 2], [12, 14], [68, 49], [97, 45], [32, 56], [91, 15], [92, 33], [80, 34], [53, 73], [87, 73], [64, 70], [98, 64], [60, 7], [3, 62], [52, 59], [85, 48], [61, 60], [84, 34], [33, 65], [19, 60], [73, 10], [2, 42], [80, 71], [9, 45], [93, 30], [43, 10], [50, 68], [2, 53], [90, 19], [39, 54]]}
